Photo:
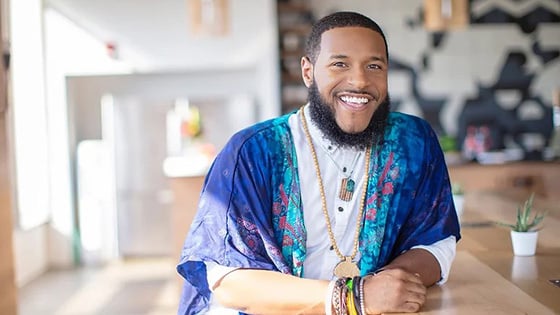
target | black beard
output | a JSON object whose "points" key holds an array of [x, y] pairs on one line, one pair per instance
{"points": [[322, 115]]}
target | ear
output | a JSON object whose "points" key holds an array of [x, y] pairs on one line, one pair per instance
{"points": [[307, 71]]}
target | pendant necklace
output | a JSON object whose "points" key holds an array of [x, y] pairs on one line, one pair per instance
{"points": [[347, 184], [347, 267]]}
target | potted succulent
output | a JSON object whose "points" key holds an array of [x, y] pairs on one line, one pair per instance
{"points": [[458, 198], [525, 231]]}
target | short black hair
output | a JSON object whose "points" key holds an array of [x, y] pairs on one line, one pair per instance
{"points": [[335, 20]]}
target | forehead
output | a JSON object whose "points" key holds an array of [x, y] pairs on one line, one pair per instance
{"points": [[352, 41]]}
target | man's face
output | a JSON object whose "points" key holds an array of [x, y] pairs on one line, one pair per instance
{"points": [[350, 74]]}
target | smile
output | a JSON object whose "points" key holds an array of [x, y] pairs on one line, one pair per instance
{"points": [[354, 100]]}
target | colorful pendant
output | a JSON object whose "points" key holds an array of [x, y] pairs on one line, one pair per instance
{"points": [[346, 189]]}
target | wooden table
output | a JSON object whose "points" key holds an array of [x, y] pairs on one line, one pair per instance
{"points": [[475, 288], [486, 278]]}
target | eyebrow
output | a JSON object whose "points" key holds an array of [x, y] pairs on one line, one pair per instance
{"points": [[373, 58], [376, 58]]}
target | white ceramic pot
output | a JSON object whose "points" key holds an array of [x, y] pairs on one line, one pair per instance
{"points": [[459, 200], [524, 243]]}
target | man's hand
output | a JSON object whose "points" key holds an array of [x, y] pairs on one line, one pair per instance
{"points": [[392, 291]]}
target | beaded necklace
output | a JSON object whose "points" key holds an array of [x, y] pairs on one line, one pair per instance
{"points": [[347, 267]]}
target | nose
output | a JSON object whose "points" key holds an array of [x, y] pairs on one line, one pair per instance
{"points": [[358, 78]]}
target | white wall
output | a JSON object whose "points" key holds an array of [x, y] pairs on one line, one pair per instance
{"points": [[156, 35], [29, 138]]}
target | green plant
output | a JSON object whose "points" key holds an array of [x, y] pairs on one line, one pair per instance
{"points": [[456, 189], [447, 143], [524, 222]]}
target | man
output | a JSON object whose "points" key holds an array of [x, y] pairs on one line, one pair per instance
{"points": [[341, 189]]}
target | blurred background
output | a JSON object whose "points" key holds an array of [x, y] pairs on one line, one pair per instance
{"points": [[115, 109]]}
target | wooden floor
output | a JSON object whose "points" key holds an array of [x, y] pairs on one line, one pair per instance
{"points": [[132, 287]]}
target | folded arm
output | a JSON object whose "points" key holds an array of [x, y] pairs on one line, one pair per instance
{"points": [[270, 292], [400, 287]]}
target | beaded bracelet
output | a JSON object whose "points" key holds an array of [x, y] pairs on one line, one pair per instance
{"points": [[362, 304], [346, 297]]}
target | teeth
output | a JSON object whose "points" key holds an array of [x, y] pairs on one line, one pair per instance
{"points": [[353, 99]]}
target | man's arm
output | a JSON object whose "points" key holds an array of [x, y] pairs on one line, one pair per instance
{"points": [[270, 292], [401, 285], [419, 262]]}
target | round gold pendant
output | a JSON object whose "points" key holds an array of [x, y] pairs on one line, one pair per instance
{"points": [[346, 269]]}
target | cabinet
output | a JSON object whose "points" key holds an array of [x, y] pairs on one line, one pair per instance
{"points": [[186, 192], [295, 19]]}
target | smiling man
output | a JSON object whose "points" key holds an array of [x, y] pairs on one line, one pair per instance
{"points": [[341, 207]]}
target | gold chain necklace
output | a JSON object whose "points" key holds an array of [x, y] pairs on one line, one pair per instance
{"points": [[346, 268]]}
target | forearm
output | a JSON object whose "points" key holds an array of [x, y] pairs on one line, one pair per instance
{"points": [[268, 292], [418, 261]]}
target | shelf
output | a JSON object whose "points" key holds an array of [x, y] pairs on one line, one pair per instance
{"points": [[292, 78], [295, 29], [292, 53], [295, 20]]}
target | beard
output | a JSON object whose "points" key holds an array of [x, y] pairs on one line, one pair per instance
{"points": [[322, 115]]}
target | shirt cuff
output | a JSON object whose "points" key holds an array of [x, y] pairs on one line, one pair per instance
{"points": [[215, 273], [444, 252]]}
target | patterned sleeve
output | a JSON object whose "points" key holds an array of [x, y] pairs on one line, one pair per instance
{"points": [[432, 215], [232, 226]]}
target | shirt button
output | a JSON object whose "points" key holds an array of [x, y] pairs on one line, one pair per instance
{"points": [[340, 209], [331, 248]]}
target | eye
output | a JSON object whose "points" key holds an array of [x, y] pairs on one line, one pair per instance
{"points": [[374, 66], [339, 64]]}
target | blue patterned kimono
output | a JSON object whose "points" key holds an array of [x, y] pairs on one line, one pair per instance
{"points": [[250, 213]]}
